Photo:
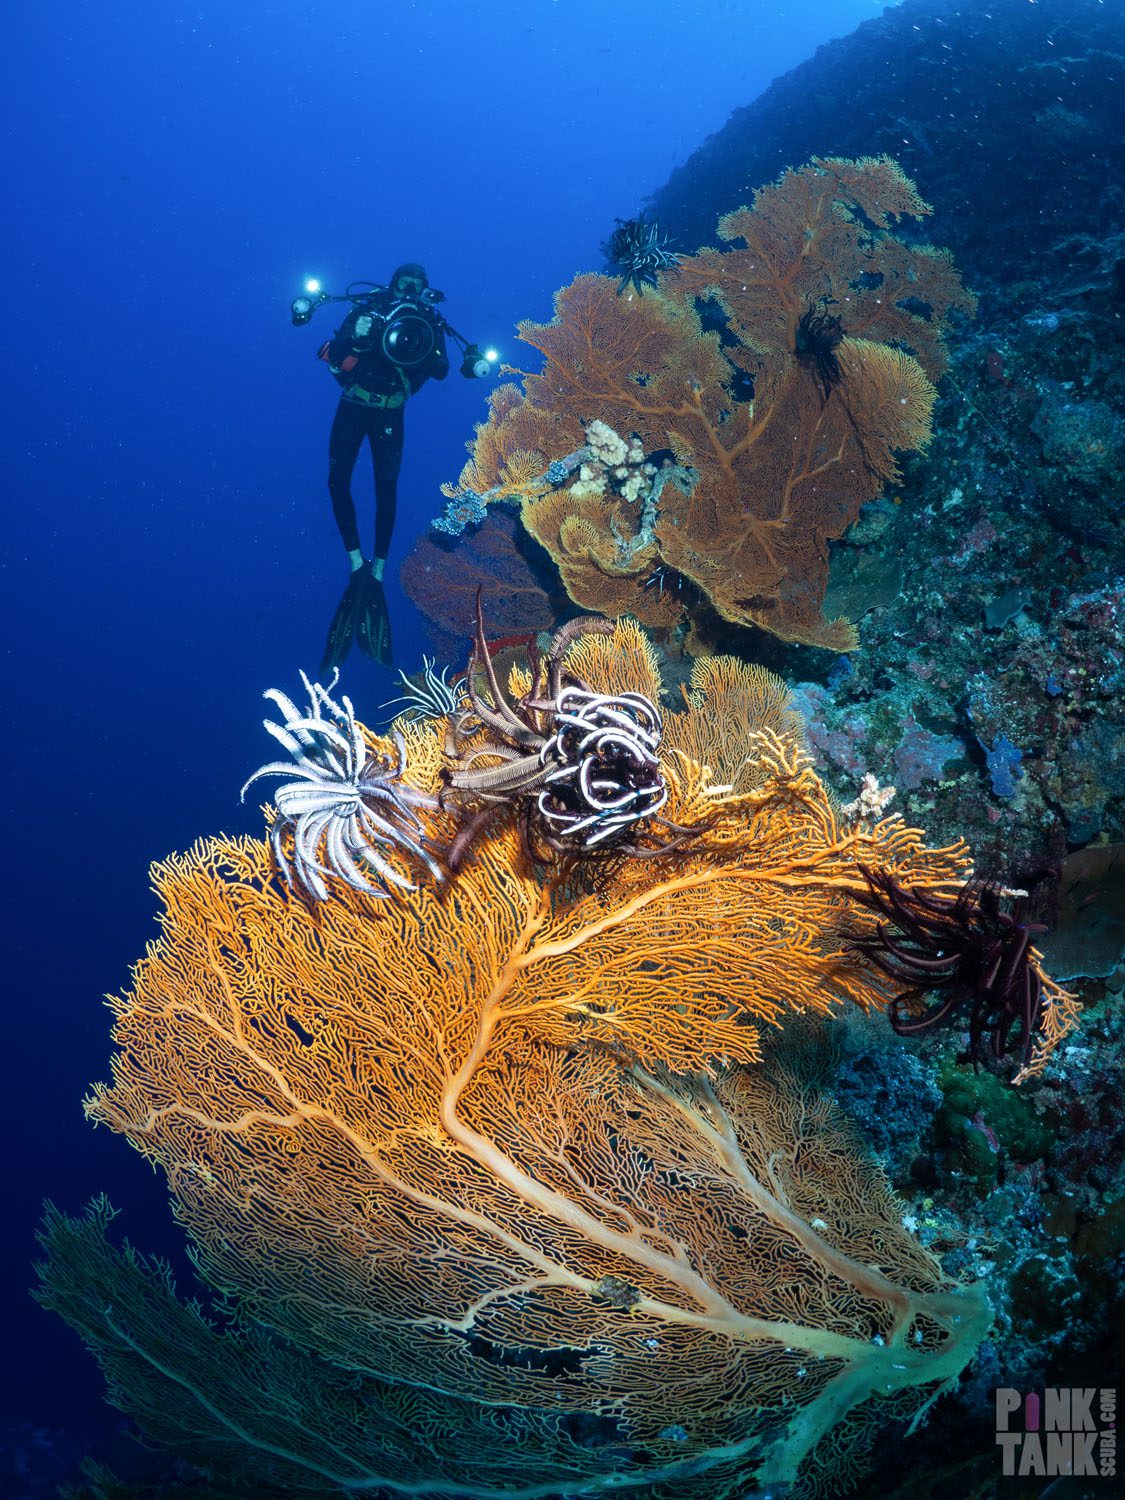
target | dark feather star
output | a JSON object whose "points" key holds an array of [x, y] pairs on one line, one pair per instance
{"points": [[580, 767], [638, 252], [973, 950], [819, 335]]}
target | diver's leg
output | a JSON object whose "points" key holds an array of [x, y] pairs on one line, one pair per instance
{"points": [[349, 428], [348, 432], [386, 460], [373, 628]]}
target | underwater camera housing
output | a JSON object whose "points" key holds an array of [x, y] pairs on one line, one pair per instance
{"points": [[409, 330], [404, 326]]}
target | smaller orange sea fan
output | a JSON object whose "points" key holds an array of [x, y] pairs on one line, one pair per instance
{"points": [[778, 473]]}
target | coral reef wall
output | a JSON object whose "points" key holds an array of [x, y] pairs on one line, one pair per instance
{"points": [[1030, 95], [989, 591], [988, 587]]}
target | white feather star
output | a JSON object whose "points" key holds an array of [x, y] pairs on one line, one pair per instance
{"points": [[345, 805], [433, 698]]}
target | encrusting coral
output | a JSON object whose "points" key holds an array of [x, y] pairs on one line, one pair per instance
{"points": [[493, 1173], [772, 381]]}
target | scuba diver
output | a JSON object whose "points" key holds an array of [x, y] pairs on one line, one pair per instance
{"points": [[391, 342]]}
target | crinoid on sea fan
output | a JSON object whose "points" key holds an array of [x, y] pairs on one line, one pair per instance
{"points": [[973, 954], [498, 1190], [779, 376], [819, 336], [638, 252], [581, 765]]}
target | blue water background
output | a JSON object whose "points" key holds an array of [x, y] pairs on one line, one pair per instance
{"points": [[171, 171]]}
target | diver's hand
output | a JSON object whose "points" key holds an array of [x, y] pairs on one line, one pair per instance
{"points": [[362, 326]]}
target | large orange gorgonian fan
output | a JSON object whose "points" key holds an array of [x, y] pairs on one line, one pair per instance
{"points": [[777, 435], [506, 1200]]}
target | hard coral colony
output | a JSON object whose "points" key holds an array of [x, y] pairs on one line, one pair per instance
{"points": [[508, 1193]]}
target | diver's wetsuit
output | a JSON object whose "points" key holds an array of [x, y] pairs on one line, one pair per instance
{"points": [[375, 393]]}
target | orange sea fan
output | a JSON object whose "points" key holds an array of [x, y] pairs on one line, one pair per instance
{"points": [[826, 232], [503, 1150], [780, 460]]}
